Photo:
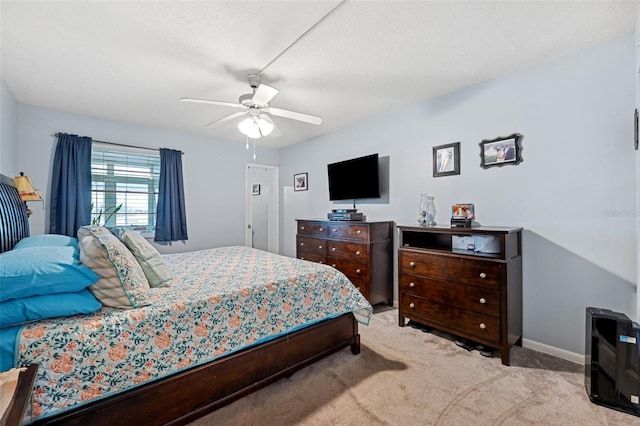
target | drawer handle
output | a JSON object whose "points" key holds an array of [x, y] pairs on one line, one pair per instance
{"points": [[333, 265], [357, 271], [319, 247], [301, 257], [358, 231], [301, 244], [483, 275], [483, 326], [302, 228], [321, 228], [412, 264], [412, 305], [333, 249], [482, 300], [320, 261], [358, 253], [334, 230], [412, 285]]}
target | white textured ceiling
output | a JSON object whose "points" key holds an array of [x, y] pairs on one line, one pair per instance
{"points": [[131, 61]]}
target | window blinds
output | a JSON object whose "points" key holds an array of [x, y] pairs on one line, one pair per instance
{"points": [[124, 178]]}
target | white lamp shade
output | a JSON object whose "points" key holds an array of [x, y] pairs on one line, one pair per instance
{"points": [[255, 127], [265, 127]]}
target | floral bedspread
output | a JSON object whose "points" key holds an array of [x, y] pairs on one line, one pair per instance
{"points": [[220, 301]]}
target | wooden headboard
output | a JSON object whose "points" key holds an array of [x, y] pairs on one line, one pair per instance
{"points": [[14, 222]]}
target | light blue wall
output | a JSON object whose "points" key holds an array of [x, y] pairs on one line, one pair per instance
{"points": [[8, 131], [214, 170], [573, 193]]}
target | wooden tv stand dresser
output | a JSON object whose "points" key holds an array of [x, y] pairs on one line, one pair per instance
{"points": [[475, 295], [361, 250]]}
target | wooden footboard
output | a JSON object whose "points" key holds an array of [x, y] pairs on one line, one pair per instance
{"points": [[190, 394]]}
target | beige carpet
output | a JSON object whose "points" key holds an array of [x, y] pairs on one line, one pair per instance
{"points": [[404, 376]]}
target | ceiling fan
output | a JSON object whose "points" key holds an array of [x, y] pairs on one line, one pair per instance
{"points": [[257, 110]]}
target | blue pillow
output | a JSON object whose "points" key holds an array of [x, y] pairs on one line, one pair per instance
{"points": [[18, 311], [47, 240], [8, 348], [42, 270]]}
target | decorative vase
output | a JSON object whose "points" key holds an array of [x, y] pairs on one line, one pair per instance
{"points": [[422, 210], [427, 210]]}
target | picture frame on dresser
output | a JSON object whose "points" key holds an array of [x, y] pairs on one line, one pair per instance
{"points": [[501, 151], [446, 160], [300, 182]]}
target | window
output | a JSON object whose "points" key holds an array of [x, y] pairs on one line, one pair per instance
{"points": [[126, 179]]}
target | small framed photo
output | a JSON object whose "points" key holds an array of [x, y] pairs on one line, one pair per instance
{"points": [[255, 189], [635, 129], [501, 151], [300, 182], [462, 211], [446, 160]]}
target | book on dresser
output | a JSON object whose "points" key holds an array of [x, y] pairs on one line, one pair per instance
{"points": [[361, 250], [465, 281]]}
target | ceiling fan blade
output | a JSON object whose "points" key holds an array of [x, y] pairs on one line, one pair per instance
{"points": [[311, 119], [276, 131], [225, 119], [264, 94], [206, 101]]}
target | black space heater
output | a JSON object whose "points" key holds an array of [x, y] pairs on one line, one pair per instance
{"points": [[611, 370]]}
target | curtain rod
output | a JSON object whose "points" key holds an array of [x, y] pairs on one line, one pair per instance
{"points": [[122, 144]]}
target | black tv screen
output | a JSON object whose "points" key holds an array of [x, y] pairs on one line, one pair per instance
{"points": [[354, 179]]}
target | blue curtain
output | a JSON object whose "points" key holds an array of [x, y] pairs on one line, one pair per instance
{"points": [[71, 185], [171, 219]]}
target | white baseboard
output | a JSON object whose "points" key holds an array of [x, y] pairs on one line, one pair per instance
{"points": [[551, 350]]}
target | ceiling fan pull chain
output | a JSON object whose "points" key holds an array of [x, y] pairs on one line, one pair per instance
{"points": [[254, 149], [247, 145]]}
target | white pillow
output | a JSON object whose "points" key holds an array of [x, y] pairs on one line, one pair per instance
{"points": [[153, 264]]}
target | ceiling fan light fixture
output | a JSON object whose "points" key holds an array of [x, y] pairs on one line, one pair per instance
{"points": [[255, 127], [265, 127]]}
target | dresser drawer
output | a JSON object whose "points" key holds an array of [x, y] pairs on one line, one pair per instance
{"points": [[312, 245], [351, 269], [361, 284], [452, 318], [352, 232], [478, 299], [354, 252], [458, 269], [317, 229], [312, 257]]}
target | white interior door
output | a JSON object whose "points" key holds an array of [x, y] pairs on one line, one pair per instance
{"points": [[262, 207]]}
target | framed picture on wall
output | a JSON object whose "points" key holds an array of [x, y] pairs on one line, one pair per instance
{"points": [[635, 129], [255, 189], [300, 182], [446, 160], [501, 151]]}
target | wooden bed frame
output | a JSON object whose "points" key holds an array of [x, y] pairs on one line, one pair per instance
{"points": [[190, 394]]}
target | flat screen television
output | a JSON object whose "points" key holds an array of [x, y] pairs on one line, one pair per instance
{"points": [[354, 179]]}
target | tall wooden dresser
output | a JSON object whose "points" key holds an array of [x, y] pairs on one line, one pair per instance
{"points": [[465, 281], [361, 250]]}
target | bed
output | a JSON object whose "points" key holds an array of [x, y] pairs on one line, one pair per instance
{"points": [[232, 320]]}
